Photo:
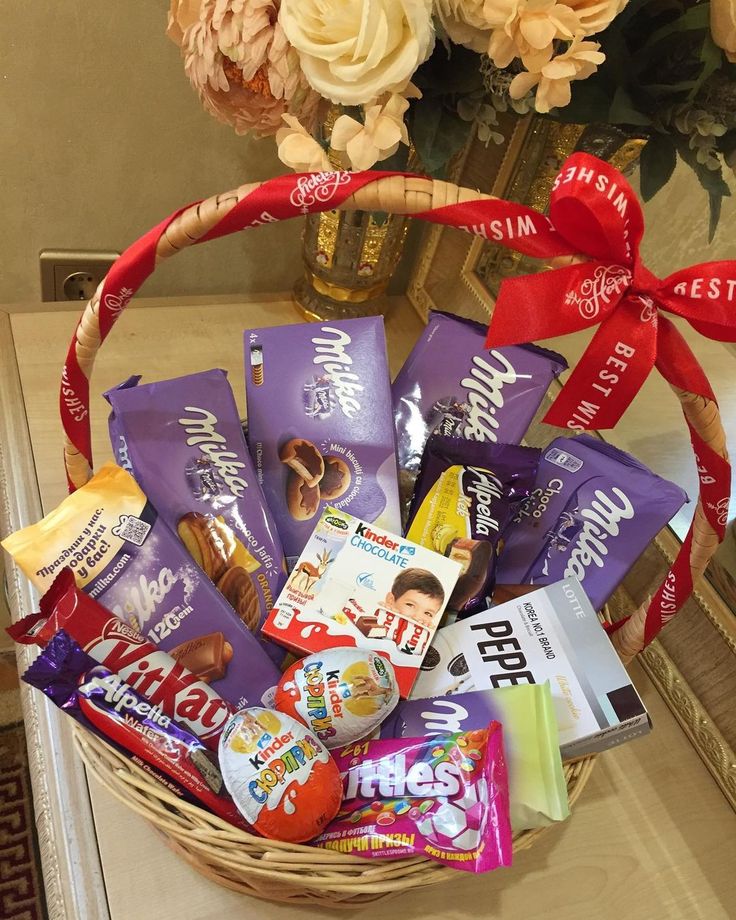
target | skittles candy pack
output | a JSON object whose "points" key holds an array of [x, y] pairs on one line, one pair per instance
{"points": [[283, 781], [445, 798]]}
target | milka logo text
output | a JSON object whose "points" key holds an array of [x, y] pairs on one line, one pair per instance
{"points": [[202, 434], [601, 521], [336, 362], [485, 384]]}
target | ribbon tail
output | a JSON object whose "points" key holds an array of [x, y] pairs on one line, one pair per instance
{"points": [[611, 371]]}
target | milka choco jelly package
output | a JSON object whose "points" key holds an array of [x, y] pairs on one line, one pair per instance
{"points": [[593, 510], [452, 384], [105, 704], [444, 797], [183, 442], [341, 694], [320, 428], [284, 782], [123, 555], [464, 497]]}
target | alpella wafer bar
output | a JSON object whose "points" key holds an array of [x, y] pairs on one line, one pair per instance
{"points": [[592, 512], [183, 442], [452, 384], [166, 683], [105, 704], [123, 554]]}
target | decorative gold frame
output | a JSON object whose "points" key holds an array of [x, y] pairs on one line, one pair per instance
{"points": [[693, 663]]}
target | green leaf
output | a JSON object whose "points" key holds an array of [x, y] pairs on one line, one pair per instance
{"points": [[692, 20], [623, 110], [712, 58], [589, 104], [656, 164], [714, 203], [438, 134]]}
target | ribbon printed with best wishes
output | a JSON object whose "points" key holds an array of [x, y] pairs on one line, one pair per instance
{"points": [[593, 215]]}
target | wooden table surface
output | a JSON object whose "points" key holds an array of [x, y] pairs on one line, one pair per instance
{"points": [[652, 837]]}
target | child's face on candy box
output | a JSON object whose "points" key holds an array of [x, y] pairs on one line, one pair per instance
{"points": [[415, 605]]}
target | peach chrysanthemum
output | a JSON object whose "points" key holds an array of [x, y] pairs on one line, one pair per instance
{"points": [[239, 61]]}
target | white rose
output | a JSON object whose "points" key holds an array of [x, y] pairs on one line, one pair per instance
{"points": [[352, 52], [723, 26], [465, 22]]}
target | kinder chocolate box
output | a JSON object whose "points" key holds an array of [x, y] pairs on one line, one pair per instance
{"points": [[183, 441], [319, 424], [453, 385], [552, 634], [358, 585], [123, 555], [592, 512]]}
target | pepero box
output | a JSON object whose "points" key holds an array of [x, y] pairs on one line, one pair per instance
{"points": [[358, 585], [320, 427], [552, 634]]}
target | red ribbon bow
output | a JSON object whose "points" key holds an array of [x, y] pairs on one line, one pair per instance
{"points": [[593, 212]]}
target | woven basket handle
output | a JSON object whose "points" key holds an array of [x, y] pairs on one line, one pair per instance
{"points": [[288, 196]]}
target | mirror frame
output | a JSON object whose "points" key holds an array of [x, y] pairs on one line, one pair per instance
{"points": [[693, 661]]}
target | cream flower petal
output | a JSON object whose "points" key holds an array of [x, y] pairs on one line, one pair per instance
{"points": [[386, 133], [343, 131], [362, 152], [502, 49], [537, 31], [522, 83]]}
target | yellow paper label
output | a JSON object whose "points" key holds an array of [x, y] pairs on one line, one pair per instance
{"points": [[85, 532], [443, 516]]}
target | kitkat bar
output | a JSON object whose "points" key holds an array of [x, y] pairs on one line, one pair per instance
{"points": [[165, 682], [125, 556], [102, 702]]}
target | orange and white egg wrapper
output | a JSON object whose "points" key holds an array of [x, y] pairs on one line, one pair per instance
{"points": [[341, 694], [282, 779]]}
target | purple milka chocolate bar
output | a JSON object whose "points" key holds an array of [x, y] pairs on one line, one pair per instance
{"points": [[183, 442], [453, 385], [319, 424], [592, 512]]}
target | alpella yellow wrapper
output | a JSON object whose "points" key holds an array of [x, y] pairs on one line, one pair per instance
{"points": [[462, 503]]}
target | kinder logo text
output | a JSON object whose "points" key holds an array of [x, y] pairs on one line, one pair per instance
{"points": [[321, 688], [335, 362], [485, 384], [600, 523], [280, 758], [200, 427], [391, 777]]}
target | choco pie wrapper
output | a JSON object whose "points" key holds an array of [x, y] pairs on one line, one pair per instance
{"points": [[320, 427], [592, 512], [123, 555], [453, 385], [182, 441]]}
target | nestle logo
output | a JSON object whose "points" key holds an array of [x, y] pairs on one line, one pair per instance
{"points": [[116, 629], [336, 522]]}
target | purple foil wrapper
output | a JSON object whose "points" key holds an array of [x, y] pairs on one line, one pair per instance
{"points": [[491, 480], [592, 512], [327, 384], [452, 384], [183, 442]]}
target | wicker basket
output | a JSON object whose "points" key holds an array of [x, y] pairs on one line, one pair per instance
{"points": [[224, 854]]}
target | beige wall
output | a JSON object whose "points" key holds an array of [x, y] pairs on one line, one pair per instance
{"points": [[103, 136]]}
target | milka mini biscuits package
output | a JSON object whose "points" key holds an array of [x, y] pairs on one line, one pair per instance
{"points": [[358, 585], [320, 427]]}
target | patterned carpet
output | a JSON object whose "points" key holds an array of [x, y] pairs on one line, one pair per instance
{"points": [[21, 884]]}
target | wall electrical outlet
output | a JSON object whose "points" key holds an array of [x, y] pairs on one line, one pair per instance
{"points": [[73, 274]]}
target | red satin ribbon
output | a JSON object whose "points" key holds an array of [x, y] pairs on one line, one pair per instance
{"points": [[593, 212]]}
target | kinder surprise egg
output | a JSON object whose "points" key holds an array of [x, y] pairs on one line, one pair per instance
{"points": [[283, 781], [342, 694]]}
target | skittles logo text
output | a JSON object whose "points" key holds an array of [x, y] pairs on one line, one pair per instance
{"points": [[280, 757]]}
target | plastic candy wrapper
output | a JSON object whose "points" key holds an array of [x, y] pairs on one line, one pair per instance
{"points": [[464, 497], [106, 705], [593, 511], [126, 557], [537, 787], [183, 442], [341, 694], [444, 797], [283, 781], [164, 681], [452, 384]]}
